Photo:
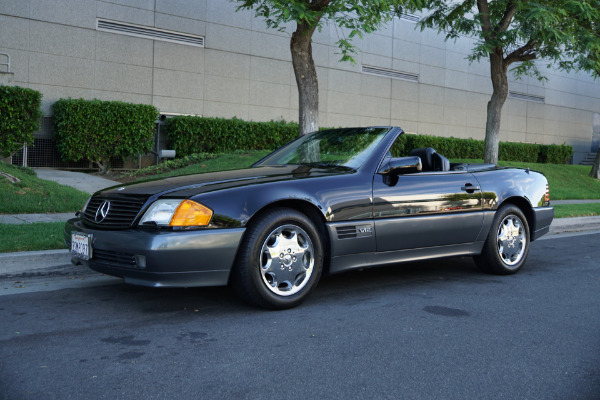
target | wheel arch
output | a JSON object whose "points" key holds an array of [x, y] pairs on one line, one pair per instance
{"points": [[305, 207], [525, 206]]}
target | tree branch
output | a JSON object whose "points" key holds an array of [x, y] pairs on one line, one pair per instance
{"points": [[318, 5], [484, 12], [523, 53], [511, 9]]}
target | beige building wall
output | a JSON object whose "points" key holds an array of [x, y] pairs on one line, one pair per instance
{"points": [[244, 70]]}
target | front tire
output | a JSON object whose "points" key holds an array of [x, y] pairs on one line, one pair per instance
{"points": [[507, 244], [280, 260]]}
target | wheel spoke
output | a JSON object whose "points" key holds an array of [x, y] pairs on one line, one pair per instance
{"points": [[287, 260], [511, 240]]}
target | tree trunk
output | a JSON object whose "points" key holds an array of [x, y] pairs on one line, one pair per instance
{"points": [[306, 78], [103, 165], [498, 71], [595, 172]]}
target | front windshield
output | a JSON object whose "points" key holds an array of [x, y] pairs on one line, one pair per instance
{"points": [[337, 147]]}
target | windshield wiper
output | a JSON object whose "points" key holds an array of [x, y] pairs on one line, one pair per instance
{"points": [[326, 164]]}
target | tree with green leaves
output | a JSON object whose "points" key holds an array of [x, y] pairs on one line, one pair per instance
{"points": [[514, 33], [355, 17]]}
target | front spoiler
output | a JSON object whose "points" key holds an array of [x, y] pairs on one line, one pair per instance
{"points": [[171, 258]]}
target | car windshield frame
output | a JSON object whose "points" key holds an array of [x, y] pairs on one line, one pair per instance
{"points": [[338, 148]]}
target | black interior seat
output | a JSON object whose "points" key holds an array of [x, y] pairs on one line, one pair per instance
{"points": [[440, 163], [426, 155], [431, 160]]}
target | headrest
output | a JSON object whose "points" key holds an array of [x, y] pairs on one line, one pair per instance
{"points": [[426, 155]]}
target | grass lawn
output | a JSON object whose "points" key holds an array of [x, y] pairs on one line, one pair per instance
{"points": [[576, 210], [31, 237], [567, 182], [33, 195], [222, 162]]}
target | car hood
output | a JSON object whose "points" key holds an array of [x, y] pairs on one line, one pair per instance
{"points": [[190, 185]]}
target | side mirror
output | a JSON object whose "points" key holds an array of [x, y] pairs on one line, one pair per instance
{"points": [[402, 165]]}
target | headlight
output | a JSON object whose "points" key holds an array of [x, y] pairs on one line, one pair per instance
{"points": [[177, 213]]}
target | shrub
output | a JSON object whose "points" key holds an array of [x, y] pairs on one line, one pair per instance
{"points": [[20, 116], [525, 152], [555, 154], [99, 130], [470, 148], [188, 135], [170, 165]]}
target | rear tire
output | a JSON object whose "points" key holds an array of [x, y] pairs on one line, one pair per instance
{"points": [[280, 260], [507, 244]]}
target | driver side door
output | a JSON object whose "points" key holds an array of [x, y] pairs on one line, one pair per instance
{"points": [[426, 209]]}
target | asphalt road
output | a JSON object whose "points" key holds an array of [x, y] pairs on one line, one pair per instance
{"points": [[435, 330]]}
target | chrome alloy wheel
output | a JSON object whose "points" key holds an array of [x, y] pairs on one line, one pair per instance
{"points": [[287, 260], [512, 241]]}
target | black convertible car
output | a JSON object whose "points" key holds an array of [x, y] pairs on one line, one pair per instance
{"points": [[327, 202]]}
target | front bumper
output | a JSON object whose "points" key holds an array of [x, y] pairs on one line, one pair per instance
{"points": [[542, 218], [161, 258]]}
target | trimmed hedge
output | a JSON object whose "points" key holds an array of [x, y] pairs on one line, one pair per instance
{"points": [[470, 148], [20, 116], [188, 134], [555, 154], [100, 130]]}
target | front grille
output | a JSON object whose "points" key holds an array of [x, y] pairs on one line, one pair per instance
{"points": [[114, 259], [121, 213]]}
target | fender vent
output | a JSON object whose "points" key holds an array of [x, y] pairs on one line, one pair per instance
{"points": [[149, 33], [346, 232]]}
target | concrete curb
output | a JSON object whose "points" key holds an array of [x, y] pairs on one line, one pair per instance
{"points": [[578, 224], [51, 262], [574, 222], [32, 261]]}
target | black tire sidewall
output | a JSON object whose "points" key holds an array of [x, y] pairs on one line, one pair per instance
{"points": [[250, 284], [490, 260]]}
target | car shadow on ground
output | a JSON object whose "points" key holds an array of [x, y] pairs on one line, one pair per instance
{"points": [[359, 284]]}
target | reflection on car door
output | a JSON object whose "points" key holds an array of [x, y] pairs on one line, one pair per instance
{"points": [[426, 209]]}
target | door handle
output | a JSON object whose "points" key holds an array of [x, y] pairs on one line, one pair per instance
{"points": [[469, 188]]}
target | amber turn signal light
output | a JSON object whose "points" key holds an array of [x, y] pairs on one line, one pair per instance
{"points": [[190, 213]]}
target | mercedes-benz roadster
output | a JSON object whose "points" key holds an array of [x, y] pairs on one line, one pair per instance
{"points": [[326, 202]]}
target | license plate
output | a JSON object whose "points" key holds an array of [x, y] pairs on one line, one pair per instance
{"points": [[81, 245]]}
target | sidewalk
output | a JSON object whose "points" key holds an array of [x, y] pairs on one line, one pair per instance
{"points": [[78, 180], [51, 261]]}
